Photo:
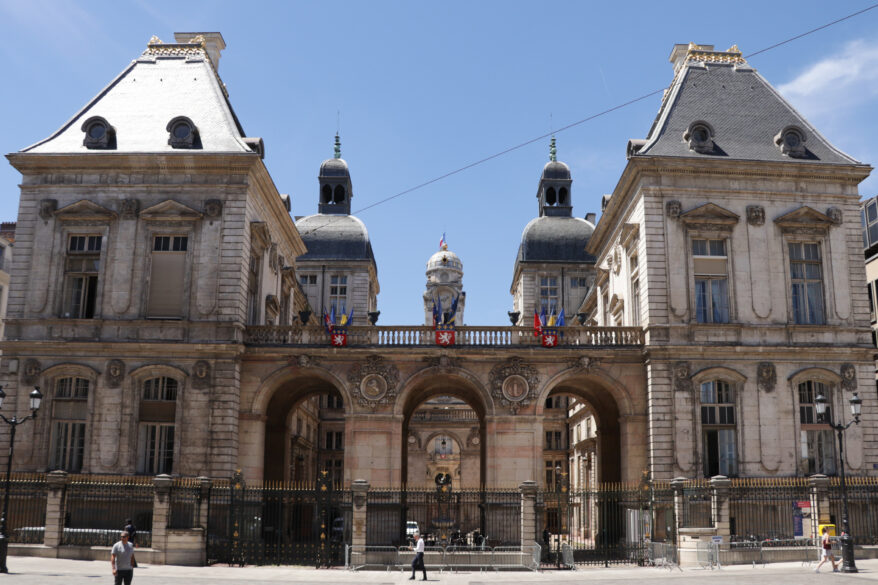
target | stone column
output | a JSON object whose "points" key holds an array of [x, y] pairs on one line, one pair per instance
{"points": [[360, 489], [528, 511], [161, 508], [57, 484], [820, 512], [719, 505], [204, 484]]}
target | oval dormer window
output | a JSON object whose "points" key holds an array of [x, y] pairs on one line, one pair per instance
{"points": [[700, 137], [791, 141], [182, 133], [98, 134]]}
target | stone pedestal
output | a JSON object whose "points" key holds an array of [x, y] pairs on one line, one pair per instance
{"points": [[528, 511], [360, 489], [161, 508], [719, 506], [687, 545], [57, 483]]}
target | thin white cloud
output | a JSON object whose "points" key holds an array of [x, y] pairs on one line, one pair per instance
{"points": [[838, 82]]}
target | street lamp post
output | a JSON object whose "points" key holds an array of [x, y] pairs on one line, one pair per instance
{"points": [[563, 490], [36, 398], [847, 544]]}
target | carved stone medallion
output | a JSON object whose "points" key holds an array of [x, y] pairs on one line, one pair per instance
{"points": [[201, 374], [514, 388], [373, 387], [115, 373], [213, 208], [374, 382], [766, 376], [848, 377], [682, 381], [128, 208], [673, 209], [514, 384], [584, 363], [47, 208], [305, 361], [30, 373], [755, 215]]}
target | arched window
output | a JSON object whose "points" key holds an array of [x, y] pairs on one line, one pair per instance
{"points": [[550, 196], [562, 196], [718, 430], [338, 196], [817, 445], [326, 194], [69, 414], [158, 410]]}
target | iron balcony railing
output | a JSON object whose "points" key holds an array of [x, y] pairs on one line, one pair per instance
{"points": [[476, 336]]}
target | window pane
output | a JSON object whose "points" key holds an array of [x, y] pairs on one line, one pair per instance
{"points": [[872, 211], [720, 300], [699, 247], [701, 301], [717, 247]]}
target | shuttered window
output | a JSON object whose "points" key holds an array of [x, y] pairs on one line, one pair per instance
{"points": [[166, 277]]}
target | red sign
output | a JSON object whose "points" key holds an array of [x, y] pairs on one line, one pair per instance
{"points": [[339, 339], [550, 339], [444, 337]]}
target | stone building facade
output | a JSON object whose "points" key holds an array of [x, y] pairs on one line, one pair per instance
{"points": [[172, 310]]}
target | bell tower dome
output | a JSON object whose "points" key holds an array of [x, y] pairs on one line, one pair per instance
{"points": [[335, 184], [444, 284]]}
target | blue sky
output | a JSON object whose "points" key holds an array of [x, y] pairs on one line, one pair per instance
{"points": [[425, 88]]}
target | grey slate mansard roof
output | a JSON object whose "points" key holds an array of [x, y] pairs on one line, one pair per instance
{"points": [[555, 239], [335, 237], [745, 111], [166, 81]]}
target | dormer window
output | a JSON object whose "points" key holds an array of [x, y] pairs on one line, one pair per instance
{"points": [[98, 134], [700, 137], [182, 133], [791, 141]]}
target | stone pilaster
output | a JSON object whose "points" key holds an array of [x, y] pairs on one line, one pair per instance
{"points": [[204, 484], [528, 511], [677, 484], [719, 505], [57, 484], [360, 489], [161, 509], [820, 513]]}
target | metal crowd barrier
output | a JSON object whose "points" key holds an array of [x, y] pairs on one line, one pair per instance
{"points": [[663, 554], [708, 555], [437, 558]]}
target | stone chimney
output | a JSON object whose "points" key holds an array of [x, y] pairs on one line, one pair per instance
{"points": [[590, 217], [213, 44], [681, 51]]}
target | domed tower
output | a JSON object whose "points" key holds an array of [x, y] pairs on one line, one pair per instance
{"points": [[444, 284], [553, 270], [339, 269]]}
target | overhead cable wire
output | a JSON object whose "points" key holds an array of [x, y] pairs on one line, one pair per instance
{"points": [[584, 120]]}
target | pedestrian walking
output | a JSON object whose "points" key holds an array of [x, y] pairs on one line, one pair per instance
{"points": [[826, 552], [132, 532], [122, 560], [418, 561]]}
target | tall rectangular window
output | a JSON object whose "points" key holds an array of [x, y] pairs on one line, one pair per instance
{"points": [[711, 281], [156, 449], [81, 269], [253, 289], [816, 437], [68, 445], [869, 289], [806, 278], [718, 428], [549, 294], [338, 293], [635, 302], [167, 274]]}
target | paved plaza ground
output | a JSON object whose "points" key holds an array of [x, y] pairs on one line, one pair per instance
{"points": [[27, 570]]}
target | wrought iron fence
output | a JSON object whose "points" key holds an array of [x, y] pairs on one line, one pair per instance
{"points": [[862, 507], [770, 510], [696, 500], [27, 508], [185, 499], [278, 523], [444, 517], [96, 508]]}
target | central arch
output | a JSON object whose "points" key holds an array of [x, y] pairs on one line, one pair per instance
{"points": [[435, 383]]}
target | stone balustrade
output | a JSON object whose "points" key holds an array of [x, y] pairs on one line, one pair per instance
{"points": [[420, 335]]}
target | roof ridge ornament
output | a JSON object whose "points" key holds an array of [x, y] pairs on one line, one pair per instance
{"points": [[553, 151], [154, 40], [337, 146], [706, 54]]}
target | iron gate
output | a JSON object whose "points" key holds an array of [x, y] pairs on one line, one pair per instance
{"points": [[278, 524], [610, 524]]}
